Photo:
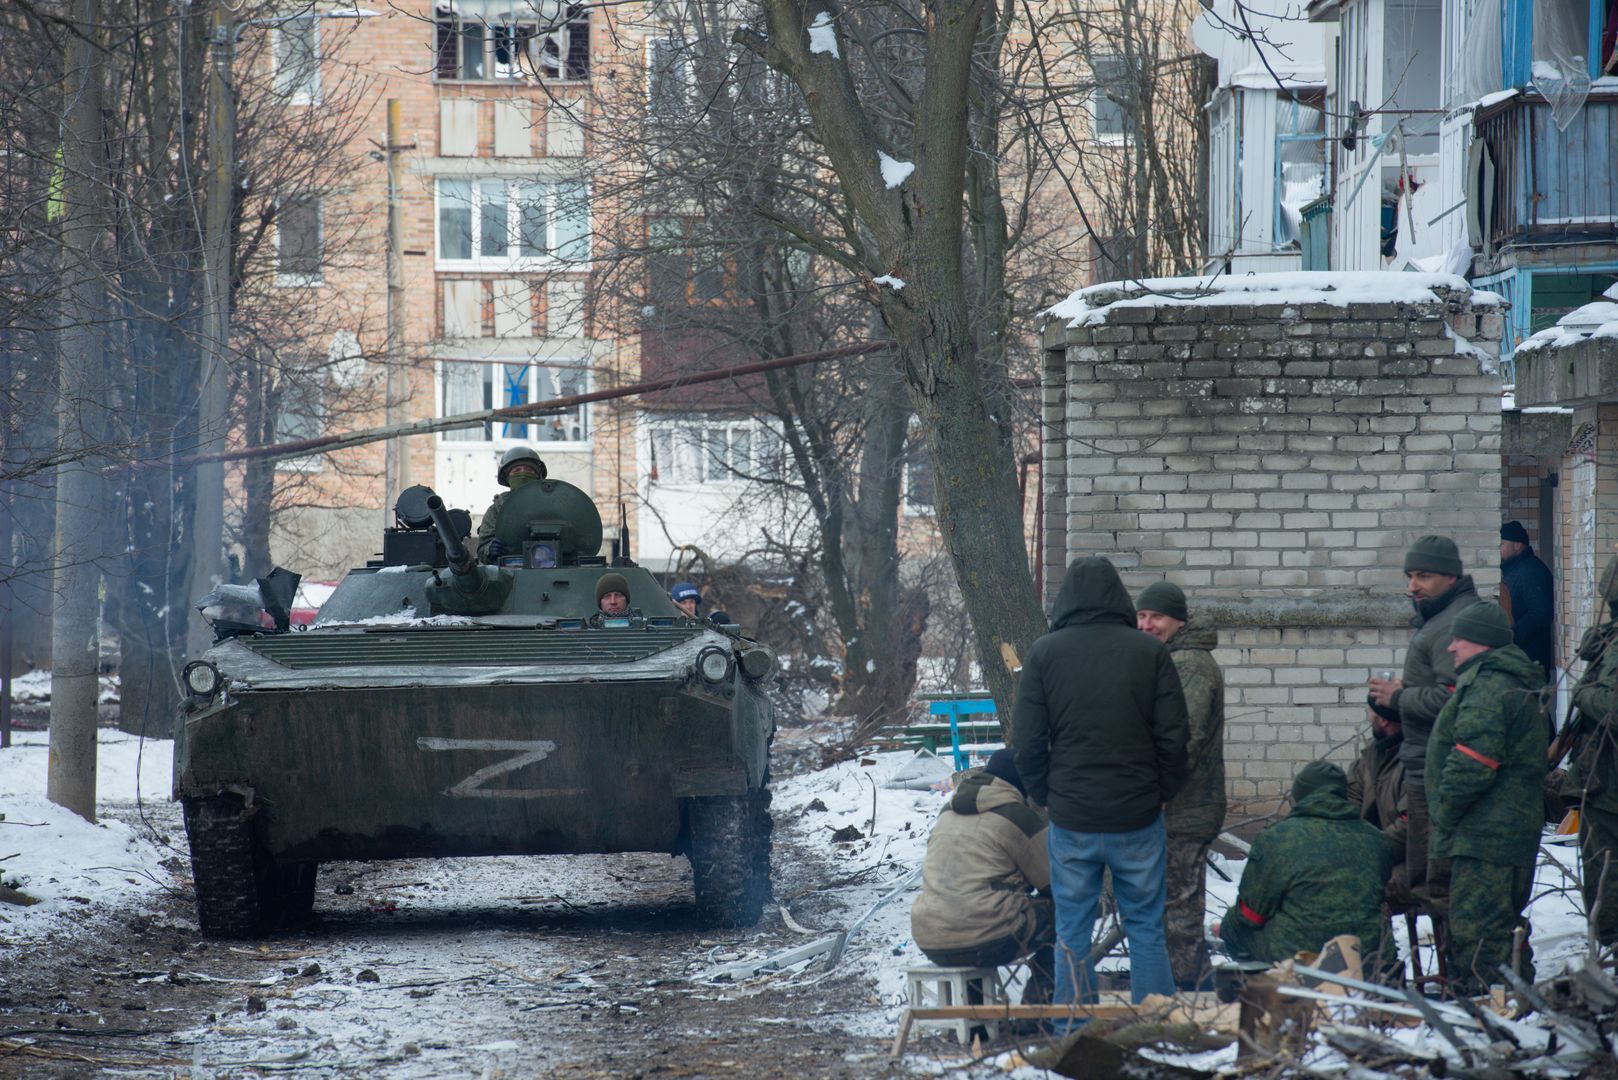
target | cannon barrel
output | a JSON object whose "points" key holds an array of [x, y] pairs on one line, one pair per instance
{"points": [[460, 560]]}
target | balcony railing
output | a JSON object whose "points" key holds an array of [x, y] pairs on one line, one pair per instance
{"points": [[1552, 185]]}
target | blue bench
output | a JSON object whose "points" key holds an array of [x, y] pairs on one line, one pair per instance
{"points": [[954, 709]]}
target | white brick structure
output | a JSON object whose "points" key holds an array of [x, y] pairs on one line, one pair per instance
{"points": [[1272, 447]]}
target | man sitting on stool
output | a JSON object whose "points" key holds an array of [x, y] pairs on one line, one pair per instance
{"points": [[985, 855]]}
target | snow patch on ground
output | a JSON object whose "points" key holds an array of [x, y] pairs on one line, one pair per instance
{"points": [[34, 688], [1089, 306], [822, 37], [72, 866], [895, 172]]}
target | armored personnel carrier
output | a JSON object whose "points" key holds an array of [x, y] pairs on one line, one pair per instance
{"points": [[439, 707]]}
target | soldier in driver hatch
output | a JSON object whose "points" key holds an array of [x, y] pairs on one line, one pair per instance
{"points": [[520, 465], [612, 594]]}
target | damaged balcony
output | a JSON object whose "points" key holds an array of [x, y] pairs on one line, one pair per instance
{"points": [[1542, 183]]}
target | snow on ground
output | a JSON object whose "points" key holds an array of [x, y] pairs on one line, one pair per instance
{"points": [[79, 868], [73, 866], [34, 688], [1088, 306]]}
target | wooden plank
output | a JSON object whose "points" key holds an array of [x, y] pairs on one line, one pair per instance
{"points": [[1026, 1012]]}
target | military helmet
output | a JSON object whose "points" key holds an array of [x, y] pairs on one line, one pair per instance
{"points": [[514, 455], [1607, 586]]}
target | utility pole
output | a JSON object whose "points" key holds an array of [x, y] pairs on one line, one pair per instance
{"points": [[70, 779], [397, 457], [213, 407]]}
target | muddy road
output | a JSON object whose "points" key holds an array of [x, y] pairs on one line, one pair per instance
{"points": [[577, 966]]}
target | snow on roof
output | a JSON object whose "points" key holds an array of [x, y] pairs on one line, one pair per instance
{"points": [[1088, 306], [1293, 77], [1597, 319]]}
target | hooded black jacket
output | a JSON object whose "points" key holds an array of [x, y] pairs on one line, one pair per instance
{"points": [[1100, 725]]}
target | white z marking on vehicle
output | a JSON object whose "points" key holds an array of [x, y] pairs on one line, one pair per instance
{"points": [[529, 751]]}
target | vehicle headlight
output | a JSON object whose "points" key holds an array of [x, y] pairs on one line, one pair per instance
{"points": [[714, 665], [201, 678]]}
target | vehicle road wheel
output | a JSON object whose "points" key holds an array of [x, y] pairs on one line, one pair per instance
{"points": [[238, 894], [730, 856]]}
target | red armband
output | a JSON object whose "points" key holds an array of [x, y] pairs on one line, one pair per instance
{"points": [[1250, 915], [1482, 759]]}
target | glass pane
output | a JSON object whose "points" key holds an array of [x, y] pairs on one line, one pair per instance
{"points": [[571, 426], [572, 214], [297, 58], [514, 391], [455, 219], [718, 455], [472, 66], [298, 237], [688, 455], [531, 219], [465, 389], [662, 456], [741, 450], [493, 226]]}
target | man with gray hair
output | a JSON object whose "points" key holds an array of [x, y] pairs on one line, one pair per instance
{"points": [[1439, 590], [1194, 817]]}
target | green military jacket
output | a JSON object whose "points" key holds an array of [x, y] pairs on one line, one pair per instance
{"points": [[1592, 772], [1486, 762], [1429, 671], [1198, 811], [491, 519], [1317, 873]]}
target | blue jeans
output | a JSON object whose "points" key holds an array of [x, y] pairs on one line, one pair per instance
{"points": [[1138, 861]]}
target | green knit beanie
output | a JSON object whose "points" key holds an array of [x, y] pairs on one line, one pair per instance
{"points": [[1319, 776], [1165, 598], [1483, 624], [1435, 554]]}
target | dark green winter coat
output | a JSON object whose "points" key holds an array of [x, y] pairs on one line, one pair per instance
{"points": [[1592, 772], [1486, 762], [1198, 811], [1317, 873], [1429, 673], [1100, 726]]}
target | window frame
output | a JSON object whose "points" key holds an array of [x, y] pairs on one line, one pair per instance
{"points": [[513, 261], [916, 451], [695, 434], [497, 434], [318, 417], [309, 93], [1099, 94], [292, 279], [449, 28]]}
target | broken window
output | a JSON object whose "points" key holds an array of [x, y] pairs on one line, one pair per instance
{"points": [[468, 386], [488, 40], [298, 241], [297, 60], [513, 221]]}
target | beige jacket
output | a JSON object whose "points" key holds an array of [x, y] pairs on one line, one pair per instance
{"points": [[985, 853]]}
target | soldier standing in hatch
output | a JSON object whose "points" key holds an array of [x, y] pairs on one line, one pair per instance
{"points": [[518, 466], [1440, 590], [1485, 773], [1194, 817], [1592, 774]]}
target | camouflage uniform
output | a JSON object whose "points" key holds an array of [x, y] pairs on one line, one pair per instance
{"points": [[1592, 774], [1485, 774], [1195, 816], [491, 518], [1318, 873]]}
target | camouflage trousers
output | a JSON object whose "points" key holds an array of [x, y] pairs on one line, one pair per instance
{"points": [[1428, 879], [1486, 904], [1598, 835], [1186, 910]]}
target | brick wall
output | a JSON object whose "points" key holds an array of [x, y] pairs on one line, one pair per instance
{"points": [[1275, 459]]}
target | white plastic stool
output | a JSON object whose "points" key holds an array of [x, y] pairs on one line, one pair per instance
{"points": [[936, 987]]}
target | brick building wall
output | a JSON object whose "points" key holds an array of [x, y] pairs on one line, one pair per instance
{"points": [[1274, 452], [1582, 379]]}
